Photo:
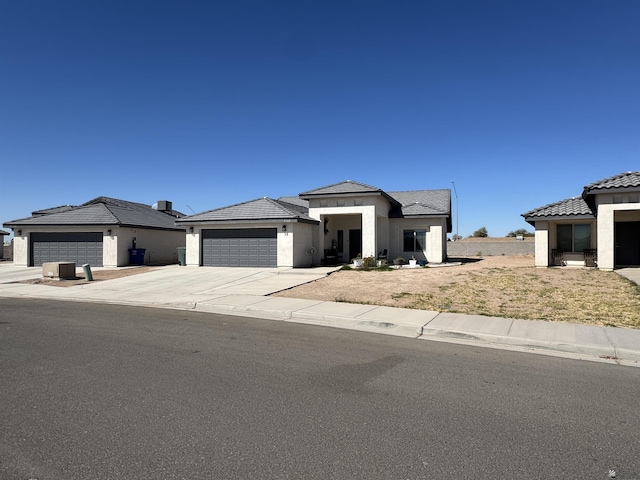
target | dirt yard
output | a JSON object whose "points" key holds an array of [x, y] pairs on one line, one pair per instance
{"points": [[98, 275], [495, 286]]}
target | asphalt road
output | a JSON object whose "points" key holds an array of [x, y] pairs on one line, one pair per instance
{"points": [[90, 391]]}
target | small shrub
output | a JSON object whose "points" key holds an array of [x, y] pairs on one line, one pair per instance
{"points": [[369, 262]]}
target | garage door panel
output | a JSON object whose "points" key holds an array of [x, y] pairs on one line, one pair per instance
{"points": [[80, 248], [251, 247]]}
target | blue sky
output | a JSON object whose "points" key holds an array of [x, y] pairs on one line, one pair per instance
{"points": [[211, 103]]}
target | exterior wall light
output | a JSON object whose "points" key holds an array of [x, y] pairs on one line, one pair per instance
{"points": [[190, 229], [284, 228], [19, 233], [109, 232]]}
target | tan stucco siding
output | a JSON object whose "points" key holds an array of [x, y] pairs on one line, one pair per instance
{"points": [[435, 249]]}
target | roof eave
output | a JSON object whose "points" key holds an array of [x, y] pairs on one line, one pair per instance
{"points": [[531, 219], [231, 221]]}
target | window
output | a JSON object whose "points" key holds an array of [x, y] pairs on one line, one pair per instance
{"points": [[574, 238], [414, 240]]}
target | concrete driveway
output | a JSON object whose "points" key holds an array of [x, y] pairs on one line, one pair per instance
{"points": [[168, 283]]}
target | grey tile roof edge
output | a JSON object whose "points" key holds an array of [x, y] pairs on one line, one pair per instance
{"points": [[334, 189], [47, 211], [433, 202], [131, 214], [289, 213], [67, 217], [579, 208], [2, 232], [621, 180], [128, 204]]}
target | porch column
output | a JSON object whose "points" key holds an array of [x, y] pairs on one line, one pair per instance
{"points": [[606, 237], [542, 244], [369, 232]]}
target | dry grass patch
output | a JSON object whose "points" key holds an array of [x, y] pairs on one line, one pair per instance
{"points": [[495, 286]]}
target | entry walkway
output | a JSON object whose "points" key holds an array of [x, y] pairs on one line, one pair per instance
{"points": [[632, 273], [245, 292]]}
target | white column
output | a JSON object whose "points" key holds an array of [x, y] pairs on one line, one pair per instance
{"points": [[606, 237], [542, 244]]}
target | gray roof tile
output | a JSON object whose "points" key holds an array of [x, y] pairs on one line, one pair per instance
{"points": [[423, 202], [104, 211], [622, 180], [342, 188], [259, 209], [47, 211], [571, 207]]}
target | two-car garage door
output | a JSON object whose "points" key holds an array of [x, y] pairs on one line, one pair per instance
{"points": [[78, 247], [246, 247]]}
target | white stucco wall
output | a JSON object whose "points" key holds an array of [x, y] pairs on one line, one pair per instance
{"points": [[21, 249], [193, 243], [608, 214], [293, 244], [304, 236], [542, 248], [435, 250], [160, 245], [370, 209]]}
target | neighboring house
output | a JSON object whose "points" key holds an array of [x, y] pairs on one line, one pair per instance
{"points": [[327, 225], [605, 220], [99, 232], [2, 234]]}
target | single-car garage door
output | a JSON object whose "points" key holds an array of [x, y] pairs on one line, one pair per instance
{"points": [[246, 247], [81, 248]]}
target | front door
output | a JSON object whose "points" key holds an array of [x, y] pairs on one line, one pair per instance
{"points": [[355, 243], [627, 243]]}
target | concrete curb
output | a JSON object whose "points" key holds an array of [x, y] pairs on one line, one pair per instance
{"points": [[241, 297]]}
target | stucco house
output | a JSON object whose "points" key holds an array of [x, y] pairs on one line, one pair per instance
{"points": [[601, 227], [99, 232], [2, 234], [328, 225]]}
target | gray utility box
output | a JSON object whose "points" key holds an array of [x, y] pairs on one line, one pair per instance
{"points": [[59, 269]]}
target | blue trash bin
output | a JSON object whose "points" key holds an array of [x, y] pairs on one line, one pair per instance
{"points": [[136, 256]]}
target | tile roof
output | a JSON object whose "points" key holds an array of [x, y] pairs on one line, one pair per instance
{"points": [[259, 209], [341, 188], [622, 180], [47, 211], [2, 232], [296, 201], [423, 202], [104, 211], [571, 207]]}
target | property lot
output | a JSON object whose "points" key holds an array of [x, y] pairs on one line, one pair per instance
{"points": [[509, 286]]}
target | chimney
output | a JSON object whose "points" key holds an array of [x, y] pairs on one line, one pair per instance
{"points": [[165, 206]]}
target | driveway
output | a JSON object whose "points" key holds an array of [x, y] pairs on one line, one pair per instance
{"points": [[172, 282]]}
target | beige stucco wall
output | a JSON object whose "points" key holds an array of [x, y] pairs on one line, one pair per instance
{"points": [[542, 250], [192, 243], [161, 245], [21, 249]]}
